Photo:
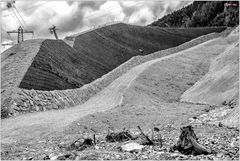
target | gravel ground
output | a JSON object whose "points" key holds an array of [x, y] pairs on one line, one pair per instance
{"points": [[225, 142]]}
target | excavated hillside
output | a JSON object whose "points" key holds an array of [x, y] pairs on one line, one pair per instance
{"points": [[47, 65], [144, 91]]}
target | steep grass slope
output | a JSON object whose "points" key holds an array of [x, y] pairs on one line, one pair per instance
{"points": [[112, 45], [57, 66]]}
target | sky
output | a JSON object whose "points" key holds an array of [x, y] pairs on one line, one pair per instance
{"points": [[72, 17]]}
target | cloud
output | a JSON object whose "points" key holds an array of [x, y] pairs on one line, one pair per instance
{"points": [[142, 16], [74, 16]]}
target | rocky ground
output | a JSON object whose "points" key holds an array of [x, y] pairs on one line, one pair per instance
{"points": [[222, 141]]}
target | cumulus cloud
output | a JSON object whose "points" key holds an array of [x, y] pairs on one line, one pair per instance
{"points": [[74, 16]]}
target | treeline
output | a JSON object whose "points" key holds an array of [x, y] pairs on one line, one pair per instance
{"points": [[202, 13]]}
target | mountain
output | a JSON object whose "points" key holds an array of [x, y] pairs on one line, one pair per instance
{"points": [[202, 13]]}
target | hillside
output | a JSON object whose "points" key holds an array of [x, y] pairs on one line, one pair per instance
{"points": [[93, 55], [220, 86], [125, 84], [112, 45], [202, 13], [46, 65], [146, 92], [220, 83]]}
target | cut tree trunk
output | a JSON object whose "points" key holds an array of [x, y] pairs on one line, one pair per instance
{"points": [[188, 143]]}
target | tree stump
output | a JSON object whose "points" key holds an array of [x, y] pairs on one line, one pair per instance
{"points": [[143, 139], [188, 143]]}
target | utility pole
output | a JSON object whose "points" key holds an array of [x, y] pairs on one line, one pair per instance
{"points": [[53, 31], [20, 33]]}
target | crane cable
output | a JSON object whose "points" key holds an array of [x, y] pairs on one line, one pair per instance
{"points": [[19, 14], [14, 11], [14, 17]]}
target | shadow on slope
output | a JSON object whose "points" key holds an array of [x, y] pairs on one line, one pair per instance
{"points": [[112, 45]]}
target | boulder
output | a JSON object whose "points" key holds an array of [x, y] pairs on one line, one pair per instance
{"points": [[132, 147]]}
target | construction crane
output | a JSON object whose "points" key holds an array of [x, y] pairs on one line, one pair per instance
{"points": [[20, 33], [53, 31]]}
